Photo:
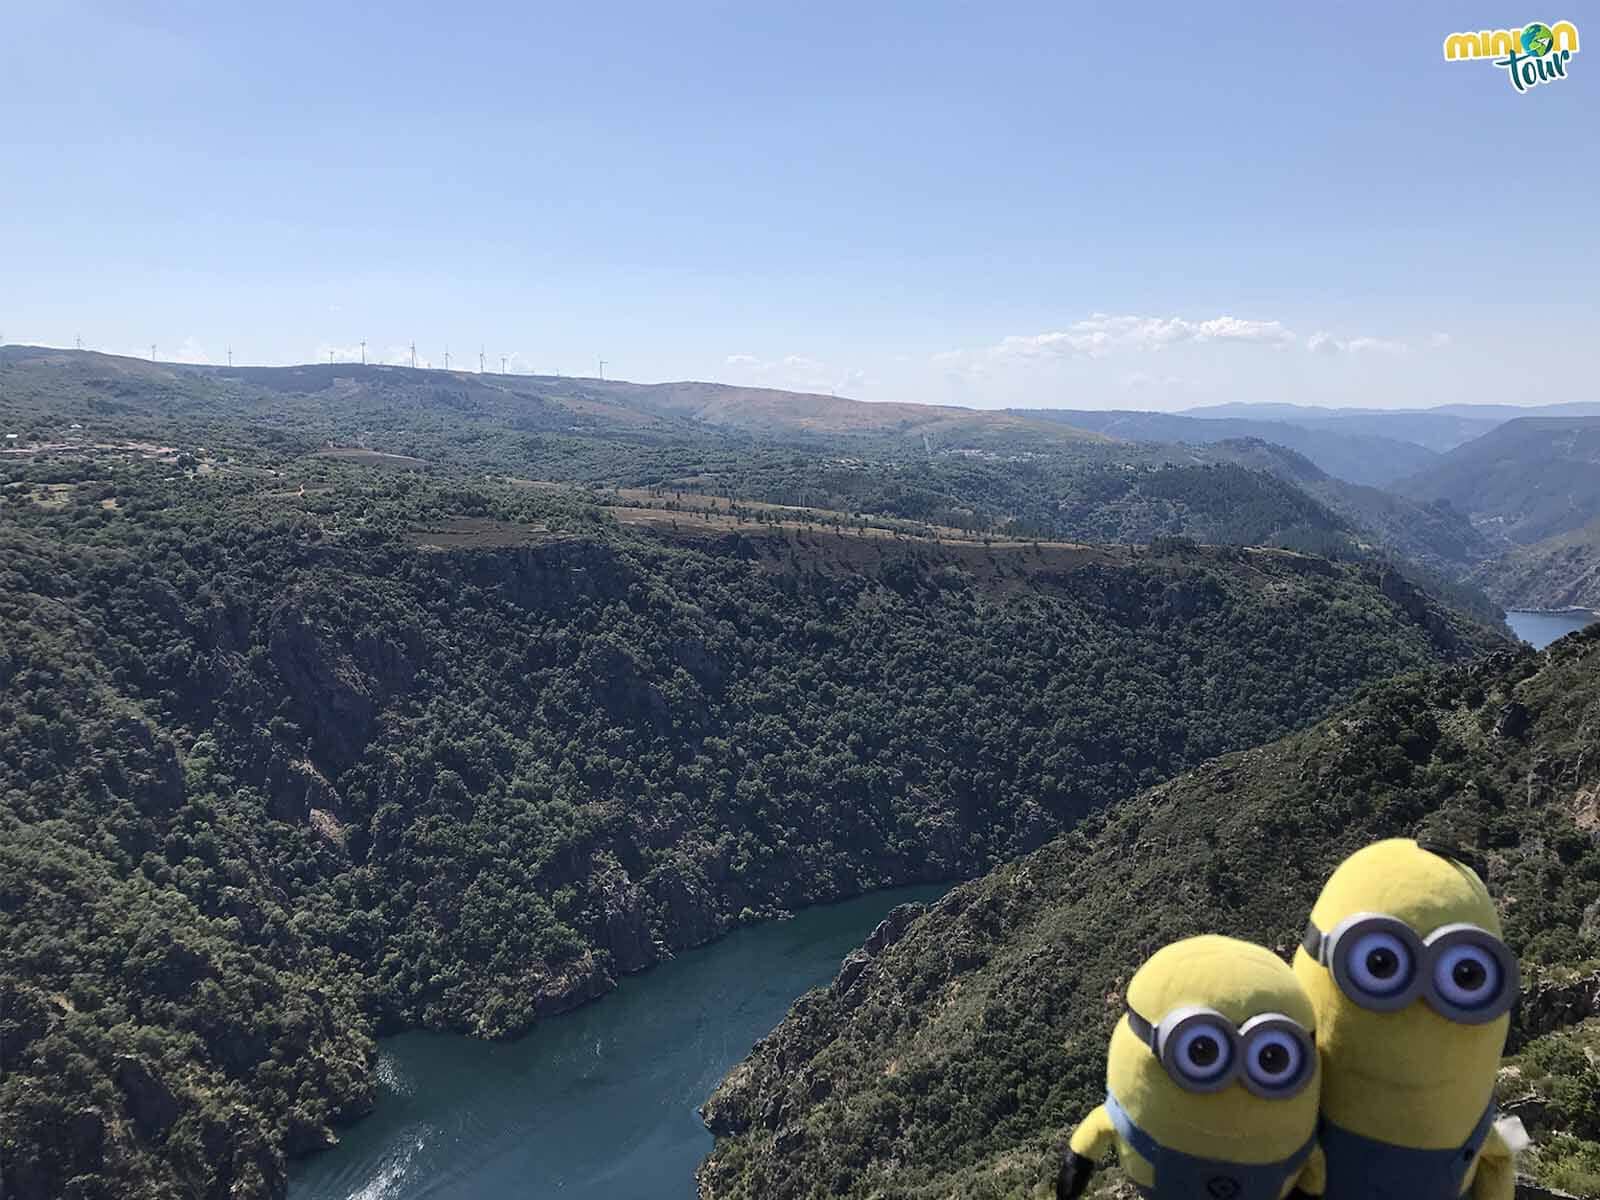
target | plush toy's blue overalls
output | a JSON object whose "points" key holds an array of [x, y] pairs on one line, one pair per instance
{"points": [[1361, 1168], [1182, 1176]]}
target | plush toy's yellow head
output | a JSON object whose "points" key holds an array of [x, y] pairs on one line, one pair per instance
{"points": [[1268, 1108], [1409, 1064]]}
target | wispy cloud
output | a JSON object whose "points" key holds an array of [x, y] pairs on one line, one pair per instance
{"points": [[187, 351], [1325, 343], [797, 371], [350, 353], [1103, 335]]}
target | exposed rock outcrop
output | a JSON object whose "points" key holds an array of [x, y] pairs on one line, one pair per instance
{"points": [[337, 688]]}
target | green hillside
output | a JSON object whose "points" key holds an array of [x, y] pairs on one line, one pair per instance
{"points": [[1525, 481], [581, 428], [947, 1058], [993, 473], [290, 760], [1435, 536], [1357, 457]]}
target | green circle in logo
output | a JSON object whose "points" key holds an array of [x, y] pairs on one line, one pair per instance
{"points": [[1537, 39]]}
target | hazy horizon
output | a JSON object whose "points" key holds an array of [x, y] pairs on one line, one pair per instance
{"points": [[421, 365]]}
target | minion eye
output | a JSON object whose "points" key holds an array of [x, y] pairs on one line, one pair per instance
{"points": [[1275, 1061], [1203, 1052], [1467, 975], [1380, 964]]}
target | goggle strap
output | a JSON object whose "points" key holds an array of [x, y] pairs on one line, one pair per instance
{"points": [[1142, 1029], [1312, 942]]}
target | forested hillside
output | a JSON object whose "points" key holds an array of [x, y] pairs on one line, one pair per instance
{"points": [[951, 1053], [1562, 571], [1003, 474], [1435, 536], [1527, 480], [291, 757], [1231, 493], [1356, 457]]}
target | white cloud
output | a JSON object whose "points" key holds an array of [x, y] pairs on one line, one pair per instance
{"points": [[796, 372], [1376, 345], [187, 351], [960, 365], [1325, 343], [340, 354], [1102, 333]]}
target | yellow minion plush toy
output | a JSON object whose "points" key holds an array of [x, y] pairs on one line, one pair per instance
{"points": [[1211, 1080], [1413, 987]]}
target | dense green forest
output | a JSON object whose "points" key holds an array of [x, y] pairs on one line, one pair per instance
{"points": [[950, 1054], [278, 774], [1435, 535]]}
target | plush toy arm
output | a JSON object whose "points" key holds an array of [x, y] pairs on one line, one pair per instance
{"points": [[1090, 1142], [1095, 1135], [1496, 1178], [1313, 1178]]}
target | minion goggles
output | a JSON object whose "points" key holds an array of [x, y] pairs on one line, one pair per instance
{"points": [[1464, 973], [1272, 1055]]}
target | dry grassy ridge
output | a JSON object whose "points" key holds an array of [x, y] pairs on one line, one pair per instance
{"points": [[552, 402], [818, 545], [948, 1056]]}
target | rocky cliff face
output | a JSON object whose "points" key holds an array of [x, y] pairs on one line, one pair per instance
{"points": [[336, 682], [1560, 572], [748, 1097]]}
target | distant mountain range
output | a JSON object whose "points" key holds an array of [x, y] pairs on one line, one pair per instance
{"points": [[1357, 456], [1526, 480], [1440, 429], [1452, 487]]}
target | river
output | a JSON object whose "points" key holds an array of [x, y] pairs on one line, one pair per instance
{"points": [[596, 1103], [600, 1103], [1542, 628]]}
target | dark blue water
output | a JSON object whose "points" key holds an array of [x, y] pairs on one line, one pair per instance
{"points": [[599, 1103], [1542, 628]]}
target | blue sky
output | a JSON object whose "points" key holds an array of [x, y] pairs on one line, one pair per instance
{"points": [[992, 204]]}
